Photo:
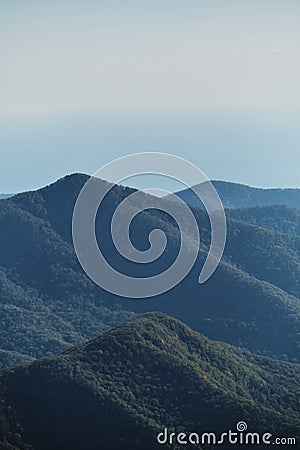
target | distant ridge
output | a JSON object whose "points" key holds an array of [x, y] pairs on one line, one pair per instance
{"points": [[6, 196], [235, 195]]}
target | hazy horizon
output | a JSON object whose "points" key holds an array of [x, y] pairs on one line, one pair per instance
{"points": [[216, 83]]}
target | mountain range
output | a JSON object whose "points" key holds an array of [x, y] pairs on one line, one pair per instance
{"points": [[48, 304], [144, 380]]}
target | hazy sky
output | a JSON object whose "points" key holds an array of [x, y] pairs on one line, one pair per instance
{"points": [[82, 82]]}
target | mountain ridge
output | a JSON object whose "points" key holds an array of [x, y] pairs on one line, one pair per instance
{"points": [[48, 303], [237, 195]]}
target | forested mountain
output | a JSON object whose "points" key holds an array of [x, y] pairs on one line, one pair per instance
{"points": [[235, 195], [47, 303], [278, 218], [120, 390]]}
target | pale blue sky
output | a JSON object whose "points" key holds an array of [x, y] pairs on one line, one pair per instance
{"points": [[82, 82]]}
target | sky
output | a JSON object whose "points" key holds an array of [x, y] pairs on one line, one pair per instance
{"points": [[83, 82]]}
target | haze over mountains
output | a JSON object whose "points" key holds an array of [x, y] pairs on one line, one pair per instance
{"points": [[5, 196], [49, 304], [120, 390]]}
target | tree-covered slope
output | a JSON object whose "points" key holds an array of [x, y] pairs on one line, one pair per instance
{"points": [[121, 389], [48, 303], [265, 252], [278, 218]]}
